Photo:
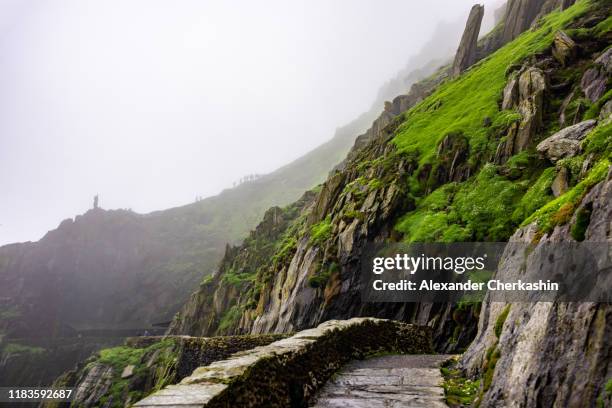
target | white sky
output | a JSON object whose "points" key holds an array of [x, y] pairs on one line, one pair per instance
{"points": [[150, 103]]}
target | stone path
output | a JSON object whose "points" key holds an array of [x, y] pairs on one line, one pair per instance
{"points": [[386, 382]]}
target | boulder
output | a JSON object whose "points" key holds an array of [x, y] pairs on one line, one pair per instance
{"points": [[466, 53], [566, 142], [564, 48]]}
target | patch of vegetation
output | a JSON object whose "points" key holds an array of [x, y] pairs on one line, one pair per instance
{"points": [[350, 215], [235, 278], [374, 184], [480, 209], [594, 109], [485, 205], [230, 318], [538, 194], [286, 248], [321, 231], [599, 141], [207, 279], [560, 210], [120, 357], [459, 391], [501, 319], [606, 395], [320, 278], [10, 313], [492, 356]]}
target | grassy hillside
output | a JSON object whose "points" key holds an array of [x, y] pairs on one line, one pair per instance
{"points": [[431, 176]]}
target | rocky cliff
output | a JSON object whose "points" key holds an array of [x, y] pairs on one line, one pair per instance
{"points": [[458, 162], [517, 147], [466, 53], [548, 354], [108, 274]]}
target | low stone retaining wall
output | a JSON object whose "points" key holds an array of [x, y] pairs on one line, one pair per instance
{"points": [[163, 360], [288, 372], [195, 352]]}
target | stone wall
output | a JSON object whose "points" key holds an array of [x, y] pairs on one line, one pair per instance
{"points": [[163, 360], [288, 372]]}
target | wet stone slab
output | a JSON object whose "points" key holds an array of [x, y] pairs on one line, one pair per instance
{"points": [[389, 381]]}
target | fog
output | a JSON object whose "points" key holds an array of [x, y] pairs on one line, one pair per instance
{"points": [[152, 103]]}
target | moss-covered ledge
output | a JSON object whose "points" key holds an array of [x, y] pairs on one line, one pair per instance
{"points": [[288, 372]]}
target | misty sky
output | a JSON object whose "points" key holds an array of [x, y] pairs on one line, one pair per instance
{"points": [[152, 103]]}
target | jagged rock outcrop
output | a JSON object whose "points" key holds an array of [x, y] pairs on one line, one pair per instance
{"points": [[525, 93], [566, 142], [547, 354], [313, 272], [466, 53], [520, 14]]}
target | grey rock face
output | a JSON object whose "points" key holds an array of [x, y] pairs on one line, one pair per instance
{"points": [[519, 16], [94, 385], [595, 79], [566, 142], [550, 354], [466, 53]]}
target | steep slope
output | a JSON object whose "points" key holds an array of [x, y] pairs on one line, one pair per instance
{"points": [[521, 140], [108, 274], [458, 165]]}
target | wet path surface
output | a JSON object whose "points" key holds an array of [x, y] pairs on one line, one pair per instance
{"points": [[388, 381]]}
